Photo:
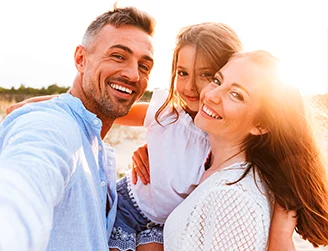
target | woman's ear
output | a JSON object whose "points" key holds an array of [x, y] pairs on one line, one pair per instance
{"points": [[258, 130], [79, 58]]}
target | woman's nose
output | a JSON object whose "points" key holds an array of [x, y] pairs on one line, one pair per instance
{"points": [[214, 95]]}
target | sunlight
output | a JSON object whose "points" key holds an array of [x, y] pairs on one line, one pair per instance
{"points": [[294, 31]]}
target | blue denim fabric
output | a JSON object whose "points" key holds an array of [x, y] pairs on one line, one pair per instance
{"points": [[132, 227], [55, 176]]}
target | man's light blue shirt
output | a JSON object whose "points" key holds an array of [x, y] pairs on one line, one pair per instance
{"points": [[55, 176]]}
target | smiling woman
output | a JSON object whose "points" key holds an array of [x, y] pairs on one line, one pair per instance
{"points": [[259, 149]]}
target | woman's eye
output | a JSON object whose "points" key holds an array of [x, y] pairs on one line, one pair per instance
{"points": [[236, 95], [216, 81], [182, 73]]}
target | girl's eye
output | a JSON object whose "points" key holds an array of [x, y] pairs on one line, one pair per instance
{"points": [[182, 73], [236, 95], [206, 74], [216, 81]]}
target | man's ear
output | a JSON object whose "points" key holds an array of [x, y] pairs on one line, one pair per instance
{"points": [[79, 58], [258, 130]]}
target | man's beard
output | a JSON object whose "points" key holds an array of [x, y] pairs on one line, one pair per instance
{"points": [[107, 104], [112, 109]]}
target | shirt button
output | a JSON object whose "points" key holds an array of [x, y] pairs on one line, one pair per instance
{"points": [[96, 122], [11, 140], [100, 148], [103, 183], [111, 163]]}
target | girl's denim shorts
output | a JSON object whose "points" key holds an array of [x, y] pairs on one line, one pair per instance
{"points": [[132, 228]]}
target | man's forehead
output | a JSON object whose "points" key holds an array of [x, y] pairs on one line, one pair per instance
{"points": [[133, 37]]}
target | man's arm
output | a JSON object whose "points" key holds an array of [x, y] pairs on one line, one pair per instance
{"points": [[36, 160]]}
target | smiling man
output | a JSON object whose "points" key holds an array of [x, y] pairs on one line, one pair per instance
{"points": [[56, 174]]}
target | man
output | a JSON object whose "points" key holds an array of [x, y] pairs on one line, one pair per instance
{"points": [[56, 173]]}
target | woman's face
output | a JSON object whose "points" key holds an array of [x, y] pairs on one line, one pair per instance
{"points": [[192, 76], [230, 104]]}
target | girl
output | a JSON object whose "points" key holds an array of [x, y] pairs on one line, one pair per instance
{"points": [[257, 147], [200, 50]]}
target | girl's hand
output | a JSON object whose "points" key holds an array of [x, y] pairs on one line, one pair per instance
{"points": [[140, 165], [12, 107], [29, 100]]}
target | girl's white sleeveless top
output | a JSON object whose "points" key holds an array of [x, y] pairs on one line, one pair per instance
{"points": [[177, 152]]}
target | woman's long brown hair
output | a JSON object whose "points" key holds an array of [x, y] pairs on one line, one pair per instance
{"points": [[288, 157]]}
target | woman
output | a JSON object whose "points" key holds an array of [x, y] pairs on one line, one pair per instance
{"points": [[261, 149]]}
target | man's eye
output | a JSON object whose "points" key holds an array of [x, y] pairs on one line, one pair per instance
{"points": [[118, 56], [144, 68]]}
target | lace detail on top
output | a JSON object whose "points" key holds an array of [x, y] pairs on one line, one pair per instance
{"points": [[216, 216]]}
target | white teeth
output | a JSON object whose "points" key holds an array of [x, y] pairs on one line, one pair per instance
{"points": [[121, 88], [210, 113]]}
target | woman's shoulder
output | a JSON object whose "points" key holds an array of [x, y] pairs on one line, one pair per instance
{"points": [[229, 179]]}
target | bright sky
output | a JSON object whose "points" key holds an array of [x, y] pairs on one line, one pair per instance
{"points": [[38, 37]]}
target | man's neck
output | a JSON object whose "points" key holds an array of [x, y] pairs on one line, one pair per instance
{"points": [[78, 92]]}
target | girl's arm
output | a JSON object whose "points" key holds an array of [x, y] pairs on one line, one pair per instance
{"points": [[282, 228], [136, 115]]}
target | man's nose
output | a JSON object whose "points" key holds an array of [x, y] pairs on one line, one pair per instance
{"points": [[131, 72]]}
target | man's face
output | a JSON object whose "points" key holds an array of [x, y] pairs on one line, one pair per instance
{"points": [[116, 70]]}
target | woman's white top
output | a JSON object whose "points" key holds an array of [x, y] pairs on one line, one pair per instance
{"points": [[217, 216], [176, 155]]}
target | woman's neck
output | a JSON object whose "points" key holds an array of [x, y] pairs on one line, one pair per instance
{"points": [[224, 154]]}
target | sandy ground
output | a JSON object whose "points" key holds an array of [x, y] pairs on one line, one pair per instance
{"points": [[126, 140]]}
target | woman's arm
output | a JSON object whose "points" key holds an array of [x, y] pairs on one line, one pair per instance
{"points": [[282, 228], [140, 165]]}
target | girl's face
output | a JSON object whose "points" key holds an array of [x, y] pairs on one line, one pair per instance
{"points": [[231, 102], [192, 76]]}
